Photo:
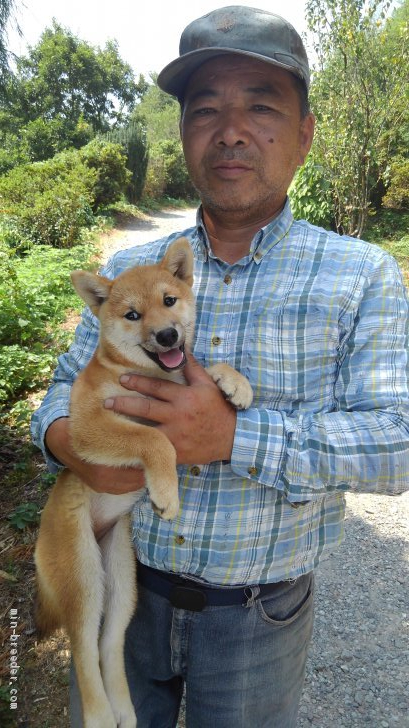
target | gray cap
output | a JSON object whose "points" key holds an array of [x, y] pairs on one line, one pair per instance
{"points": [[240, 30]]}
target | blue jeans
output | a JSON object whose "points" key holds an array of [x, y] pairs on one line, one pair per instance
{"points": [[243, 666]]}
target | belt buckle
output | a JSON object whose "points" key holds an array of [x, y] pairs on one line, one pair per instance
{"points": [[184, 597]]}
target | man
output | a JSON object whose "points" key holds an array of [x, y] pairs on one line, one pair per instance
{"points": [[318, 324]]}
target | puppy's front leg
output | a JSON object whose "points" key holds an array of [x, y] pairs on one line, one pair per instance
{"points": [[235, 386], [122, 443]]}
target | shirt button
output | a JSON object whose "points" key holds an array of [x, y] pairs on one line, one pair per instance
{"points": [[227, 280], [180, 540], [216, 340], [252, 470], [195, 470], [257, 256]]}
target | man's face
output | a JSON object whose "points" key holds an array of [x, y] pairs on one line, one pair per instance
{"points": [[243, 135]]}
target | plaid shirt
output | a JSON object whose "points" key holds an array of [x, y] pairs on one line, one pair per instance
{"points": [[318, 324]]}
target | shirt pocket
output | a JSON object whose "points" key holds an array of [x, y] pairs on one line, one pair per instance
{"points": [[293, 356]]}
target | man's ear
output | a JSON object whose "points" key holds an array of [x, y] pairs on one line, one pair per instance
{"points": [[93, 289], [307, 127], [178, 260]]}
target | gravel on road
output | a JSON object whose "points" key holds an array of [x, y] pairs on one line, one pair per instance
{"points": [[358, 666], [147, 229]]}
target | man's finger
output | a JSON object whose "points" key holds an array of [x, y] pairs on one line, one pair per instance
{"points": [[149, 386], [194, 372], [150, 409]]}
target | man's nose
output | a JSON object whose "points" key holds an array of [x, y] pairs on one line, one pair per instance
{"points": [[232, 130]]}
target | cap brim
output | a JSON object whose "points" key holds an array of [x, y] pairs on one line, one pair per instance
{"points": [[174, 77]]}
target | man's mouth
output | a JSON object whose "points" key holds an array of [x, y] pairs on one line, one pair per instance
{"points": [[231, 168], [170, 360]]}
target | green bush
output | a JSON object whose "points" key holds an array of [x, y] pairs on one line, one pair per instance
{"points": [[35, 292], [49, 202], [167, 172], [108, 163], [133, 141], [397, 195], [44, 138], [310, 195], [13, 152]]}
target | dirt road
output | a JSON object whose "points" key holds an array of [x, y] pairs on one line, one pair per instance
{"points": [[146, 229]]}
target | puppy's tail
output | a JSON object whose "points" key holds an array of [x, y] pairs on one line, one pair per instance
{"points": [[45, 618]]}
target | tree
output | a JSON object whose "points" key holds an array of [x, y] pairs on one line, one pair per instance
{"points": [[167, 173], [67, 79], [6, 13], [159, 112], [357, 95], [132, 139]]}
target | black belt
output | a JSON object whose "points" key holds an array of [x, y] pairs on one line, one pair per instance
{"points": [[193, 596]]}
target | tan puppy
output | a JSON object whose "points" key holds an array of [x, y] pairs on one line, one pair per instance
{"points": [[146, 318]]}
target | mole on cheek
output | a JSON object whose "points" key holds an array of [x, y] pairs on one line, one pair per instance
{"points": [[271, 141]]}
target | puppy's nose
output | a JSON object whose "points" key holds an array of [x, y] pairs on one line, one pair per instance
{"points": [[167, 337]]}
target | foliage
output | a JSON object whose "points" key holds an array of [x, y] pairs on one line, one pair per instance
{"points": [[69, 82], [110, 177], [35, 292], [7, 8], [167, 173], [25, 514], [310, 194], [387, 225], [49, 202], [133, 140], [397, 195], [13, 151], [159, 113], [43, 138], [357, 95]]}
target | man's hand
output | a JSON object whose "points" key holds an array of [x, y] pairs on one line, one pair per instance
{"points": [[101, 478], [197, 419]]}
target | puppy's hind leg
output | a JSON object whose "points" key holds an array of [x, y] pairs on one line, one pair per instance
{"points": [[120, 599]]}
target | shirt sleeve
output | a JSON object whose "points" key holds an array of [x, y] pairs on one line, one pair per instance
{"points": [[56, 402], [363, 445]]}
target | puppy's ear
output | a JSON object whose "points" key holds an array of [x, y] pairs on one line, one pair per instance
{"points": [[179, 260], [93, 289]]}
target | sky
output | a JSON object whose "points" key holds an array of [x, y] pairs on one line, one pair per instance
{"points": [[147, 32]]}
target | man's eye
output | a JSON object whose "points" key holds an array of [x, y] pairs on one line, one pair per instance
{"points": [[261, 108], [169, 300], [204, 111], [132, 316]]}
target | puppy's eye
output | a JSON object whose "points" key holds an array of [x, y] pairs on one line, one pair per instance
{"points": [[169, 300], [132, 316]]}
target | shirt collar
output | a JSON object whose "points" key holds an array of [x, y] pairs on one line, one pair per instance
{"points": [[263, 241]]}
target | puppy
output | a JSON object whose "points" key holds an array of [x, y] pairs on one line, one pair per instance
{"points": [[146, 319]]}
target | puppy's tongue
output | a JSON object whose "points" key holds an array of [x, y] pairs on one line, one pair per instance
{"points": [[171, 359]]}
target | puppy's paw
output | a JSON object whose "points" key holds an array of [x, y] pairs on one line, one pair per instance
{"points": [[235, 387], [126, 717], [164, 498], [168, 511]]}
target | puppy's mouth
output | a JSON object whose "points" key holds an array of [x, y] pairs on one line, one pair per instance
{"points": [[170, 360]]}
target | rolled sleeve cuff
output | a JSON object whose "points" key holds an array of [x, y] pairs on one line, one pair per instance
{"points": [[53, 465], [259, 448]]}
